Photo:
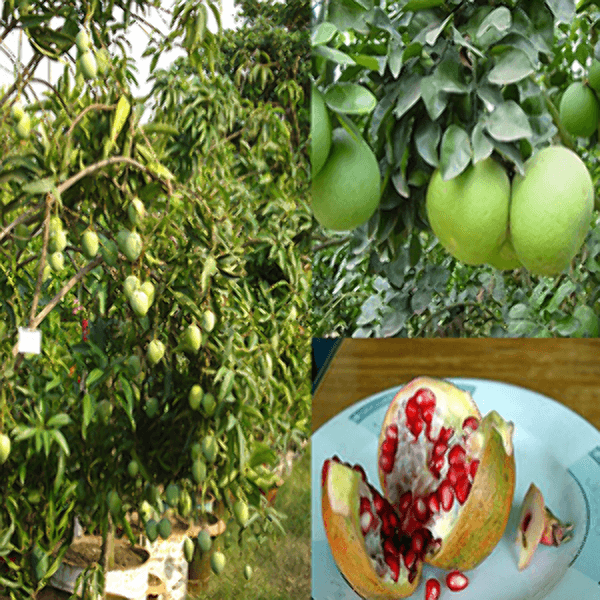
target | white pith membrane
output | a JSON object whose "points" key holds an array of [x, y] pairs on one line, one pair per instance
{"points": [[413, 459]]}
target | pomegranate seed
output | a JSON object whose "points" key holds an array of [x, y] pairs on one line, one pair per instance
{"points": [[365, 505], [457, 455], [433, 503], [445, 434], [440, 449], [462, 489], [366, 521], [470, 423], [360, 470], [394, 564], [418, 542], [426, 402], [437, 465], [394, 521], [433, 589], [386, 463], [378, 503], [415, 428], [455, 472], [411, 525], [526, 522], [420, 510], [473, 468], [410, 558], [456, 581], [389, 447], [390, 548], [412, 410], [387, 529], [446, 495], [404, 502], [392, 432], [324, 472]]}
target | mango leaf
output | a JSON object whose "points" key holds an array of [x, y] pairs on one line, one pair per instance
{"points": [[455, 152], [40, 186], [508, 123], [350, 98]]}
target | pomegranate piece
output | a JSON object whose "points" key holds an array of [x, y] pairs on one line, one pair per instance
{"points": [[456, 581], [433, 589]]}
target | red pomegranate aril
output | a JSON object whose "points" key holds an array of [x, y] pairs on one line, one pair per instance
{"points": [[455, 472], [462, 489], [418, 542], [433, 503], [386, 462], [437, 465], [387, 529], [446, 495], [389, 548], [445, 434], [426, 402], [389, 447], [366, 522], [415, 428], [420, 510], [393, 563], [470, 423], [392, 432], [404, 502], [456, 581], [378, 503], [439, 449], [412, 410], [409, 559], [365, 505], [457, 455], [433, 589], [473, 468]]}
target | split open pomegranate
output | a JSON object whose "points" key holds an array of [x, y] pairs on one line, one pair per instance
{"points": [[447, 477]]}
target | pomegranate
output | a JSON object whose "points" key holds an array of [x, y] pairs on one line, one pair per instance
{"points": [[367, 544], [447, 470], [433, 589], [447, 476], [538, 525], [456, 581]]}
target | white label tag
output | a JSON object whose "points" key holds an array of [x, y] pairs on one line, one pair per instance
{"points": [[30, 341]]}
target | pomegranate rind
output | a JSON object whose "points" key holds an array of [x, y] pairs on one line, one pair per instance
{"points": [[340, 505], [454, 404], [482, 520], [527, 542]]}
